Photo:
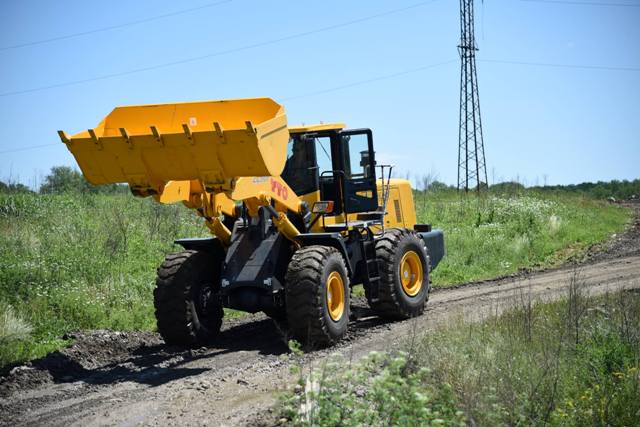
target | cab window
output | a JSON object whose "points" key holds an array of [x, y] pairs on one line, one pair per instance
{"points": [[299, 170], [323, 154], [356, 151]]}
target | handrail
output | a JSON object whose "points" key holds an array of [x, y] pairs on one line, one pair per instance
{"points": [[385, 190]]}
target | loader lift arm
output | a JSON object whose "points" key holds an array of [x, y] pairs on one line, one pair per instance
{"points": [[252, 192]]}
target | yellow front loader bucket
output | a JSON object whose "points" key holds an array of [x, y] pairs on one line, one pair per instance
{"points": [[211, 141]]}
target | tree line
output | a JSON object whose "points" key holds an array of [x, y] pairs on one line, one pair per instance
{"points": [[64, 179], [620, 190]]}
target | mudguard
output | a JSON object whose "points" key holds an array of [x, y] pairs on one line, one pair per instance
{"points": [[434, 240]]}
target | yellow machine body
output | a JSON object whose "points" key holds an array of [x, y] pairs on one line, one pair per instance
{"points": [[400, 207], [401, 210], [209, 155]]}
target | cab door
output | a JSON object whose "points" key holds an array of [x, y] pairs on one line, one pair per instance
{"points": [[357, 160]]}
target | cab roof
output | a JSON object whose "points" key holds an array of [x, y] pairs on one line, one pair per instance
{"points": [[316, 127]]}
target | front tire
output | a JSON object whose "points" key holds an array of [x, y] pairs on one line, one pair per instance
{"points": [[184, 298], [403, 263], [317, 296]]}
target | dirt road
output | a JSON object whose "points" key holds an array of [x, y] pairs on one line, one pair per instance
{"points": [[110, 378]]}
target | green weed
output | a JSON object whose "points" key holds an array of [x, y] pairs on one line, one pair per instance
{"points": [[379, 390], [571, 363], [82, 262]]}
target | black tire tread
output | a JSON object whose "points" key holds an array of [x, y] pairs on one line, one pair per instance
{"points": [[304, 295], [388, 305], [172, 296]]}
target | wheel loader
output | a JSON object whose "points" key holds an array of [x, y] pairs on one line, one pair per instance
{"points": [[299, 215]]}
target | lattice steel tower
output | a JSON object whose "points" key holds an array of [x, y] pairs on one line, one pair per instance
{"points": [[472, 169]]}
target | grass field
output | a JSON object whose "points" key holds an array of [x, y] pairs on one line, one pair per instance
{"points": [[499, 234], [82, 262], [73, 262], [571, 363]]}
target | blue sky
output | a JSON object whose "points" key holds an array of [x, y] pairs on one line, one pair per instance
{"points": [[559, 124]]}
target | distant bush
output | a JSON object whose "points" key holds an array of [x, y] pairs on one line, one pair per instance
{"points": [[437, 186], [14, 188], [510, 187], [620, 190], [63, 179]]}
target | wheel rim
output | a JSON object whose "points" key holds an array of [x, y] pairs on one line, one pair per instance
{"points": [[411, 273], [335, 296]]}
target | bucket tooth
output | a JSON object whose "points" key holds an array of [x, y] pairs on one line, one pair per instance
{"points": [[218, 129], [156, 134], [64, 137], [95, 139], [126, 137], [187, 132]]}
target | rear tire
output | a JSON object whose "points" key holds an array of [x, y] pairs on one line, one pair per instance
{"points": [[403, 263], [186, 311], [317, 296], [278, 315]]}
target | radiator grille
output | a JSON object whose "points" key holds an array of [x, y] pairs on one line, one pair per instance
{"points": [[396, 205]]}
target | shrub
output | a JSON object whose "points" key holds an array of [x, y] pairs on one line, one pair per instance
{"points": [[525, 367], [12, 327], [13, 330], [63, 179], [14, 188], [380, 390]]}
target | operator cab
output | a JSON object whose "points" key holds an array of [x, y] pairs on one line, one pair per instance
{"points": [[338, 163]]}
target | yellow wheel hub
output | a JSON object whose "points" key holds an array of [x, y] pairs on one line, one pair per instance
{"points": [[411, 274], [335, 296]]}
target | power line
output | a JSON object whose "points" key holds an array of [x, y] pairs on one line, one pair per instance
{"points": [[320, 92], [374, 79], [584, 3], [32, 147], [114, 27], [220, 53], [556, 65], [401, 73]]}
